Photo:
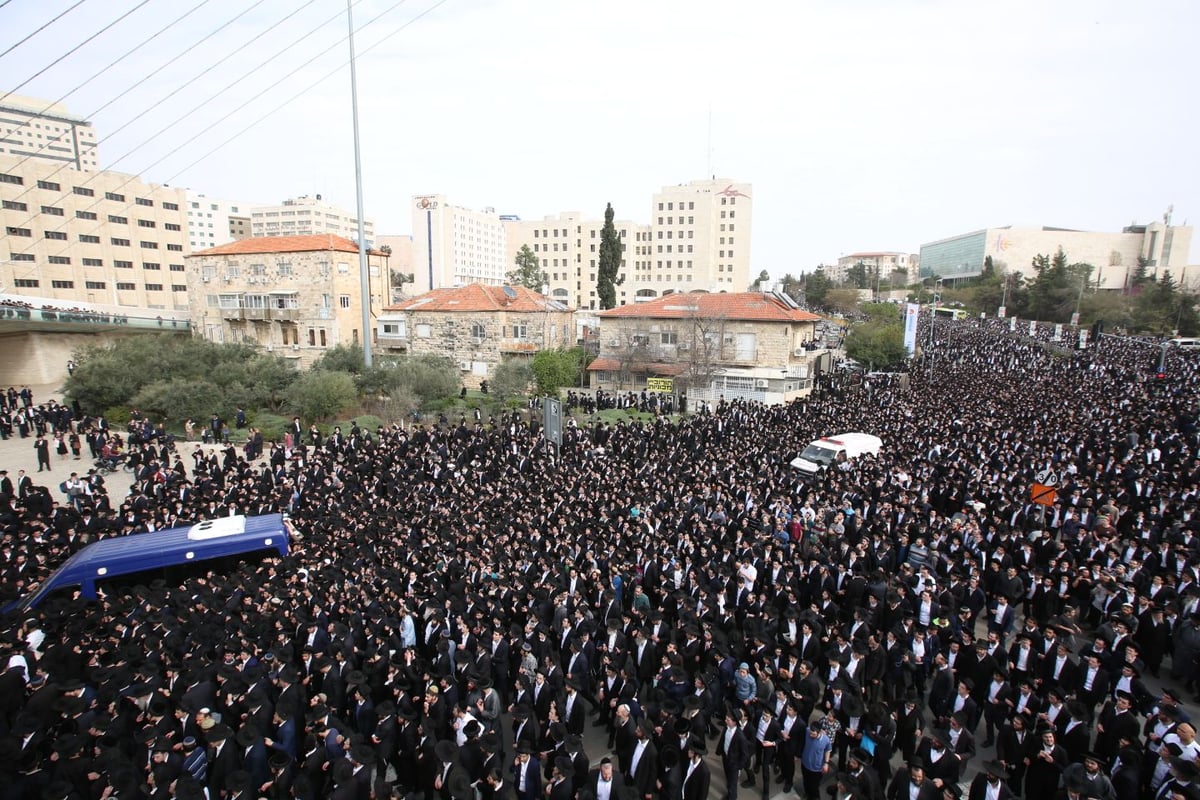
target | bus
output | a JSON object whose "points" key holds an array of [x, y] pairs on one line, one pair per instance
{"points": [[175, 553], [945, 312]]}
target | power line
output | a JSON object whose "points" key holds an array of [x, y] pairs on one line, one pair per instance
{"points": [[180, 88], [315, 83], [111, 64], [39, 30], [74, 49], [134, 177]]}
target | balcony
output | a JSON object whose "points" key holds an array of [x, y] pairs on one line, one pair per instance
{"points": [[232, 313], [285, 314], [256, 314]]}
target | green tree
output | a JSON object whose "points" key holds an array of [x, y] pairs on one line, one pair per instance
{"points": [[878, 344], [429, 377], [528, 273], [1141, 274], [882, 311], [757, 283], [858, 276], [179, 398], [320, 394], [343, 358], [608, 276], [554, 369], [816, 286], [842, 300], [512, 378]]}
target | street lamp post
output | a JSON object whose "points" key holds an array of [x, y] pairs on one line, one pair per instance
{"points": [[937, 298]]}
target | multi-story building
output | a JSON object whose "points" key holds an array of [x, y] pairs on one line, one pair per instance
{"points": [[308, 216], [477, 326], [567, 247], [215, 222], [295, 295], [455, 246], [402, 277], [753, 345], [92, 237], [32, 128], [698, 237], [881, 264], [1114, 255]]}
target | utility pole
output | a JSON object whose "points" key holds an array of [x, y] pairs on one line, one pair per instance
{"points": [[364, 274]]}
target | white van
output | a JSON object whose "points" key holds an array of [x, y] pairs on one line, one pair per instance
{"points": [[821, 453], [1186, 342]]}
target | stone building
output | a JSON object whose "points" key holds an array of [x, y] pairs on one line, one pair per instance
{"points": [[753, 345], [477, 326], [293, 295]]}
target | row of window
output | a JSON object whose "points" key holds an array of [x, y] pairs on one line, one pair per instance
{"points": [[34, 283]]}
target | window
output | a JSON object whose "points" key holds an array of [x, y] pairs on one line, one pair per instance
{"points": [[424, 331], [120, 198], [520, 331], [312, 337], [87, 238], [119, 242], [60, 259], [83, 191], [178, 287], [52, 211], [175, 248], [118, 220], [123, 264], [56, 235], [151, 265], [344, 300], [285, 270], [52, 186], [322, 337], [176, 268], [477, 331], [18, 231], [146, 223], [343, 267], [63, 284], [85, 215], [174, 206], [668, 337], [26, 283], [22, 257], [93, 262], [17, 179], [94, 284], [171, 226], [142, 201], [125, 287], [154, 287], [13, 205]]}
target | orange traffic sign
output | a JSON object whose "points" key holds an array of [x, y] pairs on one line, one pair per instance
{"points": [[1043, 495]]}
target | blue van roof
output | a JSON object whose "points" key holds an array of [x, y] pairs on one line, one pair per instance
{"points": [[136, 552]]}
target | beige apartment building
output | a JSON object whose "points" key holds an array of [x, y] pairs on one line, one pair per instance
{"points": [[456, 246], [698, 237], [214, 222], [91, 237], [753, 345], [33, 128], [477, 326], [308, 216], [878, 262], [296, 296]]}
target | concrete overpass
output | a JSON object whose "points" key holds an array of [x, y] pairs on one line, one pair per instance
{"points": [[38, 336]]}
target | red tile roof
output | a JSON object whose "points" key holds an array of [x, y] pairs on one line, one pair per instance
{"points": [[478, 297], [754, 306], [606, 364], [282, 244]]}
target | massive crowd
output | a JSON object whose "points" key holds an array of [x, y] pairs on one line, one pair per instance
{"points": [[465, 605]]}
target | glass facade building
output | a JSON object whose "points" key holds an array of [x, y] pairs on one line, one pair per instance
{"points": [[956, 257]]}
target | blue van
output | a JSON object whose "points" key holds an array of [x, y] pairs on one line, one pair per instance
{"points": [[141, 557]]}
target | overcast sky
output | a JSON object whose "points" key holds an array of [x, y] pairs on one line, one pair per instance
{"points": [[862, 124]]}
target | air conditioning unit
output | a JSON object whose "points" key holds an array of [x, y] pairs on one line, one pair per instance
{"points": [[799, 351], [683, 347], [295, 347], [205, 279], [476, 340], [760, 383], [464, 366], [228, 278], [614, 342], [270, 348]]}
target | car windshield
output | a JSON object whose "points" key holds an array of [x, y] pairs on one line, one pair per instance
{"points": [[819, 455]]}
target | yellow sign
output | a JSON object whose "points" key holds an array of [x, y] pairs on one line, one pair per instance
{"points": [[660, 385]]}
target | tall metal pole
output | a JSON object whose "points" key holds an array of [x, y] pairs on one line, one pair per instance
{"points": [[364, 275]]}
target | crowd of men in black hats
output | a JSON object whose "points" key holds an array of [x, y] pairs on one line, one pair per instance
{"points": [[465, 606]]}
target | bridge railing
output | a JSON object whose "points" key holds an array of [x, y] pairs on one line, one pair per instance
{"points": [[81, 317]]}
